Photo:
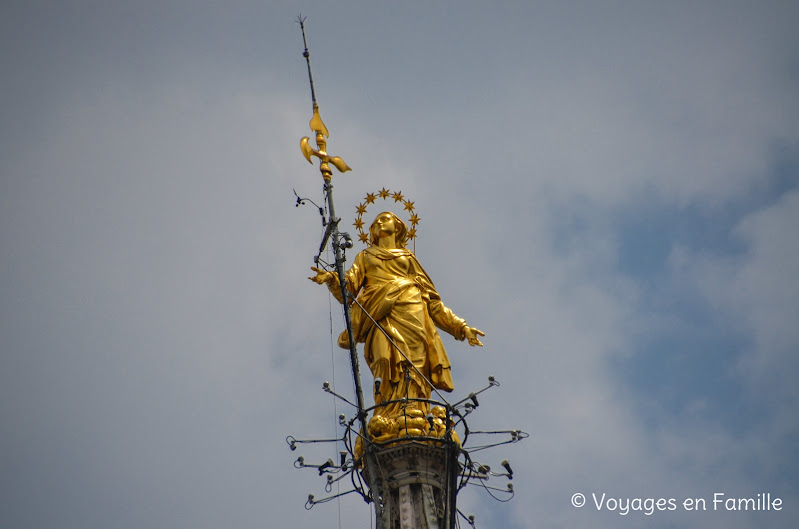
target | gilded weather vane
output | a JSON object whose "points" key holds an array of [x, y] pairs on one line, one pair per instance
{"points": [[318, 126]]}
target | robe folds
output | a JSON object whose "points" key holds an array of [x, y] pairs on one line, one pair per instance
{"points": [[393, 288]]}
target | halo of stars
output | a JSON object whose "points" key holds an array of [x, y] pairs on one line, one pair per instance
{"points": [[385, 194]]}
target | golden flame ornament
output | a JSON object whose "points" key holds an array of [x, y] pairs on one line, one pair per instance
{"points": [[318, 126]]}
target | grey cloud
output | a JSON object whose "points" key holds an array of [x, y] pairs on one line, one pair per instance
{"points": [[160, 339]]}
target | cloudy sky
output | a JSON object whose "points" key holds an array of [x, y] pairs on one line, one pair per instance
{"points": [[610, 190]]}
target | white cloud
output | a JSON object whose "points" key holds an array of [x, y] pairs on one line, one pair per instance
{"points": [[759, 290]]}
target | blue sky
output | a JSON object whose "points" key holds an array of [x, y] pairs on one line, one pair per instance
{"points": [[610, 191]]}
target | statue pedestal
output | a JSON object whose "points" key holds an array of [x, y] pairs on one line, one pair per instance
{"points": [[415, 484]]}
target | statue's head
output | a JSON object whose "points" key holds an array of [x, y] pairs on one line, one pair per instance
{"points": [[389, 221]]}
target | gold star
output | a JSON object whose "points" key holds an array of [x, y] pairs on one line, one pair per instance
{"points": [[408, 205], [414, 219], [412, 233], [363, 237], [361, 208], [370, 198], [358, 223], [384, 193], [397, 196]]}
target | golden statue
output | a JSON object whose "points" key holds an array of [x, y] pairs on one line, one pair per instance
{"points": [[405, 352]]}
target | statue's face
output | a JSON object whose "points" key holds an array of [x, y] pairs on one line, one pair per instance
{"points": [[384, 224]]}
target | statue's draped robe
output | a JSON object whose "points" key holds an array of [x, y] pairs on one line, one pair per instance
{"points": [[395, 290]]}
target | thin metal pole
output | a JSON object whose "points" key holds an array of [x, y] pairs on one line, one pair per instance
{"points": [[342, 278], [307, 55], [339, 242]]}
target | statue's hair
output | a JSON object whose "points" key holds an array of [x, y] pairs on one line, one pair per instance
{"points": [[400, 233]]}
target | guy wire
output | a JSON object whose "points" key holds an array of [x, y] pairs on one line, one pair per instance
{"points": [[333, 368]]}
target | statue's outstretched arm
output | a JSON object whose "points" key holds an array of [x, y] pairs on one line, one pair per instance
{"points": [[329, 278], [446, 320], [354, 278]]}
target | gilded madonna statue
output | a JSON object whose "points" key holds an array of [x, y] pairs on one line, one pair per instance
{"points": [[404, 350]]}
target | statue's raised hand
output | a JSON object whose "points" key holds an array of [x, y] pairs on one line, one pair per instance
{"points": [[322, 276], [470, 333]]}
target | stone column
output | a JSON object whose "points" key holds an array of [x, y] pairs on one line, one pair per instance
{"points": [[415, 484]]}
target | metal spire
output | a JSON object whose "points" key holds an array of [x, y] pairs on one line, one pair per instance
{"points": [[340, 241]]}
